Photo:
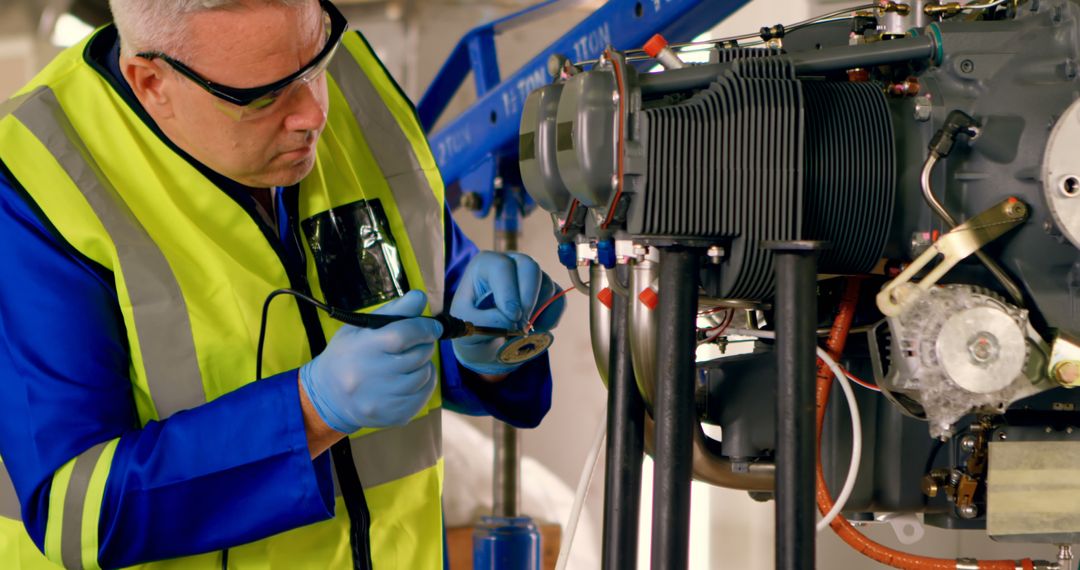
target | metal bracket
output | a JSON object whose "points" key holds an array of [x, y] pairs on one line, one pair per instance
{"points": [[954, 247]]}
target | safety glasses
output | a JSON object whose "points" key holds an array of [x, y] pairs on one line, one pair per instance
{"points": [[251, 102]]}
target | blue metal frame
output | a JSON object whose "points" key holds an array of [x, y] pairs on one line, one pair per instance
{"points": [[471, 148]]}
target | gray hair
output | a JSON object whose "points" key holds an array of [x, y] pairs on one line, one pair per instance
{"points": [[159, 25]]}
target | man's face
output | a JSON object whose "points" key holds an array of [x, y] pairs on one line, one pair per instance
{"points": [[243, 48]]}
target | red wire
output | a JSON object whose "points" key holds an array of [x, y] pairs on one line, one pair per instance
{"points": [[547, 304], [860, 381], [619, 147]]}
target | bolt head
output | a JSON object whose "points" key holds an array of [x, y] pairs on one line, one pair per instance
{"points": [[1067, 373], [1016, 210], [968, 511], [967, 443], [983, 348], [924, 108]]}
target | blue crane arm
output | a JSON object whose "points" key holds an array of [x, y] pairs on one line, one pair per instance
{"points": [[489, 128]]}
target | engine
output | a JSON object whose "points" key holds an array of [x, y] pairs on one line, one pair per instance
{"points": [[926, 151]]}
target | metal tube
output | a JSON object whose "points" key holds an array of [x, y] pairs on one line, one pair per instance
{"points": [[506, 482], [674, 408], [919, 48], [600, 321], [625, 419], [796, 316], [644, 329], [939, 209]]}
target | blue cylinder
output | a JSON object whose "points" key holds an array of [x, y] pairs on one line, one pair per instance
{"points": [[568, 255], [506, 544]]}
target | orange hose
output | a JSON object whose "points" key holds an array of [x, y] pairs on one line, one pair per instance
{"points": [[855, 539]]}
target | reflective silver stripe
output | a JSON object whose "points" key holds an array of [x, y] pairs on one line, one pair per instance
{"points": [[9, 501], [161, 317], [74, 502], [397, 160], [394, 453]]}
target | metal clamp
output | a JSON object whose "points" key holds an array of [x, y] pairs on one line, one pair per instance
{"points": [[954, 247]]}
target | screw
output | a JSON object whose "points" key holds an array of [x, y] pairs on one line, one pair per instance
{"points": [[715, 253], [1003, 436], [924, 108], [967, 66], [1069, 429], [967, 443], [1016, 209], [614, 96], [968, 511]]}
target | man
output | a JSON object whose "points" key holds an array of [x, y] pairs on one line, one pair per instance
{"points": [[157, 184]]}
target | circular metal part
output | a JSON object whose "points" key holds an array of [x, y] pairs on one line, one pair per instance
{"points": [[1070, 187], [968, 511], [967, 443], [1067, 373], [982, 349], [525, 348], [930, 486], [1060, 176]]}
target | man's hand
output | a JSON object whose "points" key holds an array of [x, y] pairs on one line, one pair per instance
{"points": [[501, 290], [375, 377]]}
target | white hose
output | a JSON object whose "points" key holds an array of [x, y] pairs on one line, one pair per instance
{"points": [[582, 492], [856, 427]]}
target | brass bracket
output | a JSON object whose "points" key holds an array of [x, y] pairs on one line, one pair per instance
{"points": [[964, 240]]}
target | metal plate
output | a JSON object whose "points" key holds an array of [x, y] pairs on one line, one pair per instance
{"points": [[1061, 173], [1005, 358], [524, 349]]}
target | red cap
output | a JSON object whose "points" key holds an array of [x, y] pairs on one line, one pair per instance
{"points": [[654, 45], [605, 296], [648, 298]]}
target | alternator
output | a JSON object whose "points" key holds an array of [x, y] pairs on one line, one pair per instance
{"points": [[960, 349]]}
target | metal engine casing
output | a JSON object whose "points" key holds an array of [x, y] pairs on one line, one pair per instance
{"points": [[691, 178]]}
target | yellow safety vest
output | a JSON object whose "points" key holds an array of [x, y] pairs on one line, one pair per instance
{"points": [[175, 242]]}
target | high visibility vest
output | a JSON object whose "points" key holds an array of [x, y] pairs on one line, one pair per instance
{"points": [[174, 241]]}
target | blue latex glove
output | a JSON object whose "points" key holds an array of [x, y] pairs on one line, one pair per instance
{"points": [[375, 377], [501, 290]]}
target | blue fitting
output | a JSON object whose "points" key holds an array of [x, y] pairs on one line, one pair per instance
{"points": [[506, 544], [605, 253], [568, 255]]}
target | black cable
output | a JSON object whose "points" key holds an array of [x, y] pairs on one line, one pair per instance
{"points": [[452, 327], [263, 321]]}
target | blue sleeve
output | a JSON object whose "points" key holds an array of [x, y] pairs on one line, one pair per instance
{"points": [[523, 398], [223, 474]]}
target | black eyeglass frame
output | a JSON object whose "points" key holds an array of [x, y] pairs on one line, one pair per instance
{"points": [[242, 97]]}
